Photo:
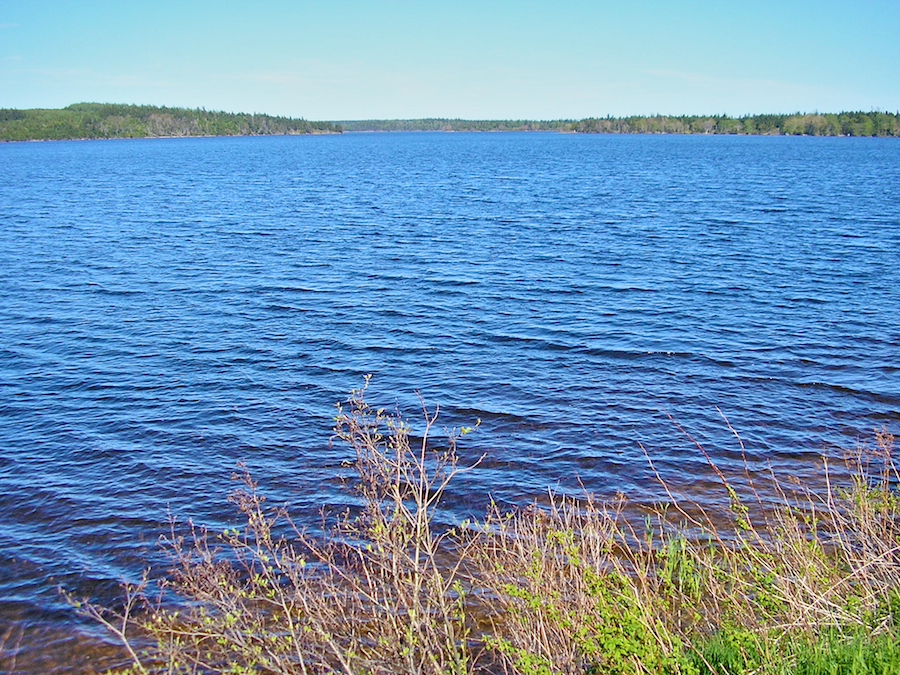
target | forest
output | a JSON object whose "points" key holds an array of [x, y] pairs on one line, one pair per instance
{"points": [[110, 120], [798, 124]]}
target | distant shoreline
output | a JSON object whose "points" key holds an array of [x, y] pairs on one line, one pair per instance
{"points": [[92, 121], [797, 124], [165, 138]]}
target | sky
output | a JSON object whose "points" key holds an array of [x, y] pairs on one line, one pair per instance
{"points": [[349, 60]]}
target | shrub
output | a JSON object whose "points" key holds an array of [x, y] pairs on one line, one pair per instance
{"points": [[376, 594], [808, 585]]}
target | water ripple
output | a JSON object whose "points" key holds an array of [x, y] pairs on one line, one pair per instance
{"points": [[170, 308]]}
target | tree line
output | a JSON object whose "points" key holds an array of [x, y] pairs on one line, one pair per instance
{"points": [[110, 120], [798, 124], [443, 124]]}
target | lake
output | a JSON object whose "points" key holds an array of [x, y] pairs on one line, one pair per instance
{"points": [[171, 307]]}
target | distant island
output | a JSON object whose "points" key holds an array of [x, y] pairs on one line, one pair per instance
{"points": [[111, 120]]}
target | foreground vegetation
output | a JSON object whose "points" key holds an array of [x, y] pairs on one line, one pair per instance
{"points": [[107, 120], [807, 584]]}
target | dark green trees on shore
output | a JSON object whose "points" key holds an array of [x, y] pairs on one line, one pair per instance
{"points": [[106, 120], [828, 124], [843, 124]]}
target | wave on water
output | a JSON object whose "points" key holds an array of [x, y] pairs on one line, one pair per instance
{"points": [[575, 293]]}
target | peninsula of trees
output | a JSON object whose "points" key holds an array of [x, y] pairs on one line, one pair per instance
{"points": [[105, 120], [110, 120]]}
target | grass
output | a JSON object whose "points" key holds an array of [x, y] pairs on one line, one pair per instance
{"points": [[809, 584]]}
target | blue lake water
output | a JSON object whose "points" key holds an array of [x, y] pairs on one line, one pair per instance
{"points": [[170, 307]]}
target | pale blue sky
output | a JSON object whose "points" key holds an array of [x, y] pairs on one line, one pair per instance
{"points": [[479, 60]]}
